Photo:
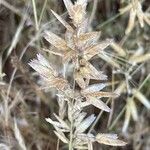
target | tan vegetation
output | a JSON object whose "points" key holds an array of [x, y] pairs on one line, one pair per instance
{"points": [[73, 74]]}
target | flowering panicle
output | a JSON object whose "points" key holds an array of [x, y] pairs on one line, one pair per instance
{"points": [[78, 48]]}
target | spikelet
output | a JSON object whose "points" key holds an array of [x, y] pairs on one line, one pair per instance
{"points": [[118, 49], [141, 98], [90, 72], [19, 137], [77, 11], [127, 119], [42, 66], [98, 103], [109, 139], [68, 27], [140, 59], [93, 50], [133, 108], [131, 22], [50, 75], [85, 124], [135, 10], [56, 40]]}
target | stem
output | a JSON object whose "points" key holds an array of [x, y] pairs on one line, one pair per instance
{"points": [[71, 121], [117, 118], [58, 141], [35, 15], [71, 136], [112, 102], [109, 20], [42, 12], [93, 11]]}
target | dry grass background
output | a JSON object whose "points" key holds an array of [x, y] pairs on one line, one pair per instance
{"points": [[24, 105]]}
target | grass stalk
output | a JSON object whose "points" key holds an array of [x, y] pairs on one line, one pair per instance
{"points": [[35, 15], [42, 12], [71, 135]]}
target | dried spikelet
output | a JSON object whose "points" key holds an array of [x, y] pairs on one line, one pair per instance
{"points": [[140, 59], [56, 41], [57, 124], [127, 119], [93, 50], [89, 72], [120, 88], [85, 124], [141, 98], [76, 11], [83, 26], [61, 136], [79, 118], [93, 88], [42, 66], [101, 94], [69, 55], [98, 103], [125, 9], [63, 123], [80, 81], [86, 39], [50, 75], [62, 106], [147, 18], [60, 84], [109, 60], [109, 139], [19, 136], [68, 27], [118, 49], [85, 103], [135, 8], [71, 110], [86, 137], [140, 14], [133, 109], [131, 22], [69, 6]]}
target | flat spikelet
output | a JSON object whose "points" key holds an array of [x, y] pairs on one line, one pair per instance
{"points": [[68, 27], [90, 72], [95, 49], [49, 74], [77, 11], [98, 103], [42, 66], [109, 139], [56, 40]]}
